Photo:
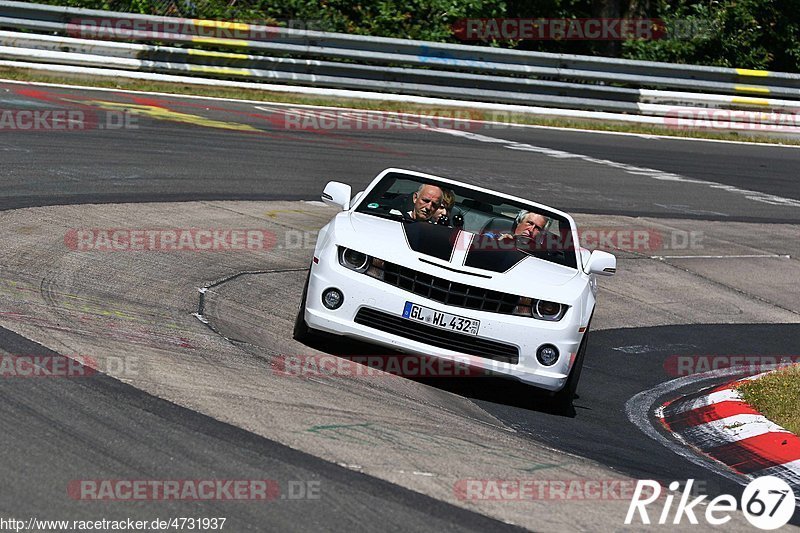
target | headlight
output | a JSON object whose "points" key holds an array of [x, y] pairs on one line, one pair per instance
{"points": [[540, 309], [353, 260], [544, 310]]}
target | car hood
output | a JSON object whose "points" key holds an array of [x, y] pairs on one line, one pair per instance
{"points": [[445, 252]]}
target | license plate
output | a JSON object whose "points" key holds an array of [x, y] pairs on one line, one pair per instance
{"points": [[439, 319]]}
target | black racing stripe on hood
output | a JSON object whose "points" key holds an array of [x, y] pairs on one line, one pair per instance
{"points": [[494, 260], [431, 239]]}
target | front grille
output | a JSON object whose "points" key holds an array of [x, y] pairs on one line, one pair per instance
{"points": [[444, 291], [441, 338]]}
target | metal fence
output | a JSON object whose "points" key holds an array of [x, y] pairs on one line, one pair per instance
{"points": [[237, 51]]}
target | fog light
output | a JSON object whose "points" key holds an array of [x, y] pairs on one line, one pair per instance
{"points": [[547, 354], [332, 298]]}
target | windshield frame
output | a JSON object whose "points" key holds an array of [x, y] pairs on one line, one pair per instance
{"points": [[388, 177]]}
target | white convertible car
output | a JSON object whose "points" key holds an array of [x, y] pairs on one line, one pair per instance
{"points": [[434, 267]]}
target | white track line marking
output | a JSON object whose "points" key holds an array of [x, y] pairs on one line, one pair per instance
{"points": [[742, 256], [651, 173]]}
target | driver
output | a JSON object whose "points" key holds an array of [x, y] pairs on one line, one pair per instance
{"points": [[527, 224]]}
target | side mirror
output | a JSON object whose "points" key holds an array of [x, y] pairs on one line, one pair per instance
{"points": [[337, 195], [601, 263]]}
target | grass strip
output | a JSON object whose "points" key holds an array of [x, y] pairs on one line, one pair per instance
{"points": [[776, 396]]}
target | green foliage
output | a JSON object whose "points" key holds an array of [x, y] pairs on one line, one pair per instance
{"points": [[758, 34], [776, 396], [429, 20]]}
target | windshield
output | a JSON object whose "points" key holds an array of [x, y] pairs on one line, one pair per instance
{"points": [[500, 225]]}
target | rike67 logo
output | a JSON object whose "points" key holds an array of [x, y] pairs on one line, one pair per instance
{"points": [[767, 502]]}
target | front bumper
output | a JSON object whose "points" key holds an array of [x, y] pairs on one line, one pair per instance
{"points": [[362, 291]]}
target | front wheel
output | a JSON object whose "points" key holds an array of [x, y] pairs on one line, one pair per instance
{"points": [[563, 398]]}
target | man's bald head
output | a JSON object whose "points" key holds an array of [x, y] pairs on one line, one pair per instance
{"points": [[427, 200]]}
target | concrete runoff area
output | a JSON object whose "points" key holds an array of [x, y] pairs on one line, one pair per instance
{"points": [[132, 312]]}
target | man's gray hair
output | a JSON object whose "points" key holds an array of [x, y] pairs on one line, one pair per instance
{"points": [[521, 216], [423, 185]]}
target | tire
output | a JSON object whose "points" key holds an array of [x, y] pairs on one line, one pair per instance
{"points": [[563, 398], [301, 331]]}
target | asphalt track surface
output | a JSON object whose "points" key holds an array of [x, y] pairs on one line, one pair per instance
{"points": [[622, 363], [169, 157], [255, 154], [612, 377], [60, 430]]}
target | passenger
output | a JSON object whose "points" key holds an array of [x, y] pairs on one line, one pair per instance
{"points": [[443, 215], [427, 201]]}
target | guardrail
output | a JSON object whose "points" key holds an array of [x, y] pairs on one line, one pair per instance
{"points": [[344, 61]]}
